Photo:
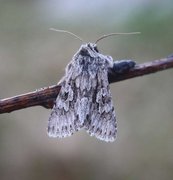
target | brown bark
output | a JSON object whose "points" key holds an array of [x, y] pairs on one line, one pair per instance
{"points": [[46, 96]]}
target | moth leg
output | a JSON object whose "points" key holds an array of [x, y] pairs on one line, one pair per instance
{"points": [[122, 66]]}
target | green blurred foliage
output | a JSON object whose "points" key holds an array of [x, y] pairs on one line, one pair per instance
{"points": [[32, 57]]}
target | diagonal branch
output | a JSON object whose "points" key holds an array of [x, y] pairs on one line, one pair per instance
{"points": [[46, 96]]}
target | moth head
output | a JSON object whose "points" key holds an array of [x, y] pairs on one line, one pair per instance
{"points": [[88, 49]]}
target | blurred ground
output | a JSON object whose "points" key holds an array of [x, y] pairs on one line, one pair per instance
{"points": [[32, 57]]}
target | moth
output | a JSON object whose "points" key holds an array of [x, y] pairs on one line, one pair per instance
{"points": [[84, 101]]}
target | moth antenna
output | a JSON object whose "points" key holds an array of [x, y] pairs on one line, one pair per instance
{"points": [[113, 34], [68, 32]]}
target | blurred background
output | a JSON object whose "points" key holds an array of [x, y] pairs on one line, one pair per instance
{"points": [[32, 56]]}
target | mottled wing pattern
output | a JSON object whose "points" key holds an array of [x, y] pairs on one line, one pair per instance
{"points": [[69, 111], [62, 121], [102, 121], [84, 100]]}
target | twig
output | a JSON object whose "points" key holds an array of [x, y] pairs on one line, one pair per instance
{"points": [[46, 96]]}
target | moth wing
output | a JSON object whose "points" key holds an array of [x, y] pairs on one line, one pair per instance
{"points": [[62, 121], [102, 120]]}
